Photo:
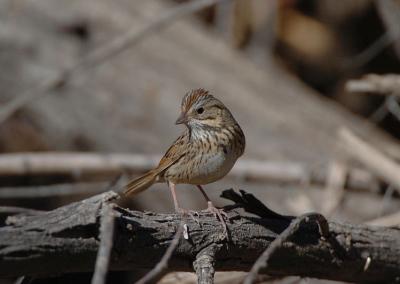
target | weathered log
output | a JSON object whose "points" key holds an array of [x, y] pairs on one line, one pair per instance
{"points": [[66, 240]]}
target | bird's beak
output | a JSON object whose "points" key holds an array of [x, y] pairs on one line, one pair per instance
{"points": [[181, 119]]}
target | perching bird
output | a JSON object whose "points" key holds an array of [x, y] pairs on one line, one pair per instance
{"points": [[204, 153]]}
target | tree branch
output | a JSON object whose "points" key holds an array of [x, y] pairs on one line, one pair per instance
{"points": [[67, 240]]}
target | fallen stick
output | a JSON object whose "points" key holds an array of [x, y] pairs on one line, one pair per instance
{"points": [[161, 267], [106, 236], [386, 85], [391, 220], [56, 190], [373, 159]]}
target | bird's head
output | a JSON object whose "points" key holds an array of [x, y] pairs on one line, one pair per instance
{"points": [[199, 109]]}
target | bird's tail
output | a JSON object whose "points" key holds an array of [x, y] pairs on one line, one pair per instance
{"points": [[141, 183]]}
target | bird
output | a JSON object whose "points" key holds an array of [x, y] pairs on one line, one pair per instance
{"points": [[204, 153]]}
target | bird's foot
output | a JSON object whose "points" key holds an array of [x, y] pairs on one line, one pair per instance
{"points": [[219, 214], [191, 213]]}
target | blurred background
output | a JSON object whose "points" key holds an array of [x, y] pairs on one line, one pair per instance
{"points": [[71, 125]]}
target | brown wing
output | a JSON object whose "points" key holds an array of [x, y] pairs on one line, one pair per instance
{"points": [[174, 153]]}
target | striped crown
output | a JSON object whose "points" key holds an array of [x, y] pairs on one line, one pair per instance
{"points": [[195, 97]]}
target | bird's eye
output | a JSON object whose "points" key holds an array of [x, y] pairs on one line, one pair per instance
{"points": [[200, 110]]}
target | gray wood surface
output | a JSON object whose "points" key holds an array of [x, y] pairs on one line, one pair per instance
{"points": [[66, 240]]}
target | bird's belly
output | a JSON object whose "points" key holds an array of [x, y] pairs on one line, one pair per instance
{"points": [[214, 167], [202, 169]]}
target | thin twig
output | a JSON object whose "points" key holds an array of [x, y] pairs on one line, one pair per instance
{"points": [[390, 14], [262, 261], [379, 114], [24, 280], [385, 201], [48, 191], [393, 106], [390, 220], [74, 164], [57, 190], [12, 210], [158, 271], [334, 190], [388, 84], [370, 52], [102, 54], [390, 105], [106, 244], [376, 161]]}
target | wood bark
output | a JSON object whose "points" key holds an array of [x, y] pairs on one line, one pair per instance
{"points": [[67, 239]]}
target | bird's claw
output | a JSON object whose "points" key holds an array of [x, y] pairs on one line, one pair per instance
{"points": [[219, 214], [192, 213]]}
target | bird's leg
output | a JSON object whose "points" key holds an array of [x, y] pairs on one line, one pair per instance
{"points": [[209, 202], [177, 208], [217, 212], [172, 188]]}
